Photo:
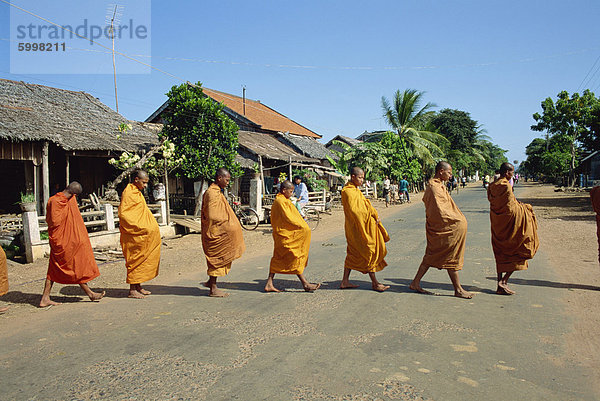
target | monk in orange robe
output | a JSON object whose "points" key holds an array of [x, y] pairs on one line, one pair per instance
{"points": [[595, 196], [71, 255], [222, 238], [514, 229], [291, 237], [3, 277], [140, 236], [365, 235], [446, 230]]}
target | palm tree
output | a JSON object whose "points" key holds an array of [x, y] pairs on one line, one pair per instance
{"points": [[412, 123]]}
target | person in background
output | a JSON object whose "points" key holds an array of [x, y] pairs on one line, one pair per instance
{"points": [[403, 188]]}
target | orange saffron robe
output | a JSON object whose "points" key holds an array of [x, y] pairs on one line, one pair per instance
{"points": [[71, 255], [595, 196], [140, 236], [514, 228], [291, 237], [222, 238], [3, 273], [366, 244], [445, 227]]}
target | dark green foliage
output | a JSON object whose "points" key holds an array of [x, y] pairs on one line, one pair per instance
{"points": [[201, 132], [311, 179]]}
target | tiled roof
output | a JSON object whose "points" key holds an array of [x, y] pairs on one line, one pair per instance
{"points": [[268, 146], [260, 113]]}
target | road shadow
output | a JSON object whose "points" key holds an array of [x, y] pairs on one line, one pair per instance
{"points": [[551, 284], [580, 205], [18, 297], [124, 292], [427, 285]]}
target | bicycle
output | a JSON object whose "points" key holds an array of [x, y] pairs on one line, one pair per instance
{"points": [[247, 216], [312, 217]]}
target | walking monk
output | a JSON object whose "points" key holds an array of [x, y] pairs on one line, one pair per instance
{"points": [[291, 236], [446, 230], [514, 229], [3, 277], [365, 235], [71, 256], [595, 195], [140, 236], [222, 238]]}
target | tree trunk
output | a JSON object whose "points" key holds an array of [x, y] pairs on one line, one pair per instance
{"points": [[572, 166], [203, 187], [111, 193]]}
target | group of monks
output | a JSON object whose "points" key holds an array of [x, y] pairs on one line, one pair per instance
{"points": [[513, 226], [71, 255]]}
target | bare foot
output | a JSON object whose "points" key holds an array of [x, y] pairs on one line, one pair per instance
{"points": [[420, 290], [311, 287], [503, 291], [206, 284], [463, 294], [218, 294], [136, 294], [347, 285], [2, 310], [143, 291], [47, 302], [271, 288], [97, 296], [508, 290], [380, 287]]}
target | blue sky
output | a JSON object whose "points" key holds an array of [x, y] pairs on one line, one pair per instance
{"points": [[326, 64]]}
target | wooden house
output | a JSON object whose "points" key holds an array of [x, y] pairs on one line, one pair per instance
{"points": [[51, 136]]}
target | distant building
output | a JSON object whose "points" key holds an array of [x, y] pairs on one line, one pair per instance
{"points": [[344, 139]]}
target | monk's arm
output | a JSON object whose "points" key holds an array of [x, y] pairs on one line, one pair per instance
{"points": [[214, 210]]}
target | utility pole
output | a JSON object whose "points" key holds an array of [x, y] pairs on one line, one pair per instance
{"points": [[116, 14], [244, 97]]}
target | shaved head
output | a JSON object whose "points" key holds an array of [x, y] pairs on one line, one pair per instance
{"points": [[74, 188], [356, 171], [287, 184], [504, 167], [442, 165], [222, 172], [139, 173]]}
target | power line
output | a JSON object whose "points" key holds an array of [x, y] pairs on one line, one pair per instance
{"points": [[588, 73]]}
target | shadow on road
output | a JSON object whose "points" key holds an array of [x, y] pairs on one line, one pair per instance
{"points": [[552, 284], [18, 297], [580, 205], [427, 285], [124, 292]]}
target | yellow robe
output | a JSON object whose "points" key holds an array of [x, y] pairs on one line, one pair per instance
{"points": [[291, 237], [140, 236], [222, 238], [514, 228], [446, 228], [366, 244], [3, 273]]}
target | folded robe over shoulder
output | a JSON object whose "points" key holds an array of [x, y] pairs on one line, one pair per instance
{"points": [[446, 228], [71, 255], [222, 238], [140, 236], [3, 273], [514, 228], [366, 245], [291, 237]]}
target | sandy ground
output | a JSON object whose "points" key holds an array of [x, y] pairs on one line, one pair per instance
{"points": [[27, 280], [567, 230]]}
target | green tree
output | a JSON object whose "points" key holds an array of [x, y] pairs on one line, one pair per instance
{"points": [[410, 121], [204, 137], [397, 165], [570, 116]]}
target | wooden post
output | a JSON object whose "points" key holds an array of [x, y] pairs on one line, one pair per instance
{"points": [[290, 177], [45, 175], [168, 221], [67, 170], [262, 176], [36, 187]]}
